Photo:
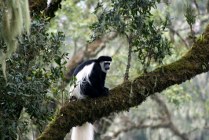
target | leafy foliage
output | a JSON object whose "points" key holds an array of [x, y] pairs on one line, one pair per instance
{"points": [[190, 18], [15, 17], [190, 15], [31, 71], [73, 19], [133, 19]]}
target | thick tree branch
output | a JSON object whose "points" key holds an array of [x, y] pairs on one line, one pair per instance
{"points": [[164, 121], [133, 93]]}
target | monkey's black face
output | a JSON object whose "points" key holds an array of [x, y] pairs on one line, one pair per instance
{"points": [[105, 66]]}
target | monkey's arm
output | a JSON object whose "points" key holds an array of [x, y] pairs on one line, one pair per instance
{"points": [[92, 91], [105, 91]]}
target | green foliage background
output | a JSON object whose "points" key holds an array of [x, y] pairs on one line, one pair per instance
{"points": [[31, 70], [35, 72]]}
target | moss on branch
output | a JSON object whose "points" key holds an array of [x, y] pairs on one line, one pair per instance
{"points": [[131, 93]]}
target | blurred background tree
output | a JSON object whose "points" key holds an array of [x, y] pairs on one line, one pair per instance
{"points": [[139, 35]]}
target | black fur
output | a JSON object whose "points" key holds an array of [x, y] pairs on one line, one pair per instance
{"points": [[97, 78]]}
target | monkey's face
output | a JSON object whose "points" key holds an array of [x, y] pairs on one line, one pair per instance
{"points": [[105, 66]]}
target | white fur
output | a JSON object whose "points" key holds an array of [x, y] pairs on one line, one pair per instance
{"points": [[84, 73], [86, 131], [103, 67]]}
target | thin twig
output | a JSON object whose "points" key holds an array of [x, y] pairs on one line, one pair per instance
{"points": [[180, 37], [197, 6], [126, 76]]}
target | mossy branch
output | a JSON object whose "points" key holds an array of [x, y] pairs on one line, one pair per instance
{"points": [[131, 93]]}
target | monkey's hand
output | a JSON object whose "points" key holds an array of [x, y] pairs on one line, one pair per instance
{"points": [[105, 91], [73, 98]]}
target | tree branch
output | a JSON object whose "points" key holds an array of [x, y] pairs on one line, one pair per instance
{"points": [[165, 122], [170, 125], [180, 37], [133, 93], [126, 75]]}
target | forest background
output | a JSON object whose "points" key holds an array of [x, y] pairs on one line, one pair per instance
{"points": [[141, 36]]}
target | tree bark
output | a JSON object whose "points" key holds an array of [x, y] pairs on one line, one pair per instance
{"points": [[131, 93]]}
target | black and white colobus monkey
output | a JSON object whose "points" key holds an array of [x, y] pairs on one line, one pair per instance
{"points": [[90, 82]]}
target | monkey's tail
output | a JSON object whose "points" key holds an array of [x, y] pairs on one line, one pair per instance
{"points": [[84, 132]]}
